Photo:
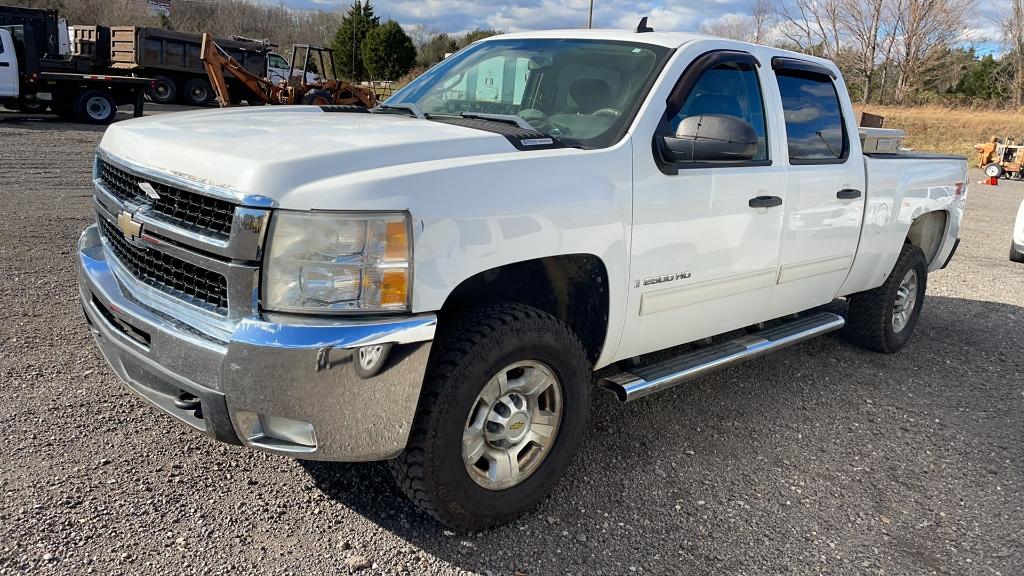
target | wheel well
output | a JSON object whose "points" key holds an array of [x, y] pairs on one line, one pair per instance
{"points": [[927, 231], [572, 288]]}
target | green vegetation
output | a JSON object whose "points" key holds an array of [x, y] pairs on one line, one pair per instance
{"points": [[356, 25], [388, 51]]}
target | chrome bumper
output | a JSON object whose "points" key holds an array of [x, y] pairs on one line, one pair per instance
{"points": [[283, 384]]}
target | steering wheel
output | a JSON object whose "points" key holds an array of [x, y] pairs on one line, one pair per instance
{"points": [[540, 121], [607, 113]]}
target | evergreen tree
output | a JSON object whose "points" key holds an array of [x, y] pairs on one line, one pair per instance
{"points": [[477, 34], [388, 52], [356, 24], [980, 79]]}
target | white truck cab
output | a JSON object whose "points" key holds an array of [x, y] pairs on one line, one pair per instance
{"points": [[8, 66], [436, 281], [277, 67]]}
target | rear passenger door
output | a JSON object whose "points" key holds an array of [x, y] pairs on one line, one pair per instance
{"points": [[824, 186]]}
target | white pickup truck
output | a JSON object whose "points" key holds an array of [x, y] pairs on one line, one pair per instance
{"points": [[436, 281]]}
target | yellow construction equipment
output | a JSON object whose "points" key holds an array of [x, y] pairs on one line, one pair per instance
{"points": [[309, 85]]}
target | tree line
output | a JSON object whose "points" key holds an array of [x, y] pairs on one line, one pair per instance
{"points": [[896, 51], [890, 51]]}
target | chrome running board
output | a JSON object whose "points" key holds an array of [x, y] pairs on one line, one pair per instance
{"points": [[646, 380]]}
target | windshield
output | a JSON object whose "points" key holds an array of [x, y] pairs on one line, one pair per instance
{"points": [[583, 92]]}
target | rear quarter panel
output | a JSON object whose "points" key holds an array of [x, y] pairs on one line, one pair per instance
{"points": [[899, 190]]}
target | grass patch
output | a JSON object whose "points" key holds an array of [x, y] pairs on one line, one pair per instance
{"points": [[955, 131]]}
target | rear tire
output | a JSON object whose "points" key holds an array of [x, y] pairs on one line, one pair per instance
{"points": [[1016, 255], [317, 97], [198, 92], [456, 445], [162, 90], [33, 107], [883, 319], [95, 107]]}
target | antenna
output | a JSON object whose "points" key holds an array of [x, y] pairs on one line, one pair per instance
{"points": [[643, 27]]}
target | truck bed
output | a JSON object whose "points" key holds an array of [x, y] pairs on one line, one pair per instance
{"points": [[901, 187]]}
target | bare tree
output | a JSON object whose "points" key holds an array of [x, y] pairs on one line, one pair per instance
{"points": [[763, 19], [751, 27], [926, 31], [813, 26], [734, 26], [1012, 30], [863, 22]]}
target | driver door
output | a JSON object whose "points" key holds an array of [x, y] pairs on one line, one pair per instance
{"points": [[705, 249], [8, 66]]}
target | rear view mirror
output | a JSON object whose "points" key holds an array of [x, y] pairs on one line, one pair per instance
{"points": [[710, 138]]}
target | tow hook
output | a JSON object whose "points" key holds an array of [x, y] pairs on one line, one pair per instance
{"points": [[188, 401]]}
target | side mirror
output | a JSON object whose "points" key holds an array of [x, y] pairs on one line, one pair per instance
{"points": [[710, 138]]}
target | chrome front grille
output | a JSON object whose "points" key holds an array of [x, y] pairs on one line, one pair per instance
{"points": [[192, 254], [204, 288], [187, 209]]}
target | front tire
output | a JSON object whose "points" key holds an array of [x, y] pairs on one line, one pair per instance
{"points": [[883, 319], [95, 107], [503, 409]]}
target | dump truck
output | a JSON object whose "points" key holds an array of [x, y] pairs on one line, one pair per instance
{"points": [[36, 76], [172, 60]]}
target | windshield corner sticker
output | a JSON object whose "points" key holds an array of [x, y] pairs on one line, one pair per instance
{"points": [[537, 141]]}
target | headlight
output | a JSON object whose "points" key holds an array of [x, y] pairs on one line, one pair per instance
{"points": [[322, 262]]}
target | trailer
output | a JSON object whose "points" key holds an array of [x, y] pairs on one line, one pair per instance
{"points": [[35, 76], [172, 60]]}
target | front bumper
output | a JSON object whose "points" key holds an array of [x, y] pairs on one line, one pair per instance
{"points": [[281, 383]]}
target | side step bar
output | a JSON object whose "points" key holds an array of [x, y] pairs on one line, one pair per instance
{"points": [[647, 380]]}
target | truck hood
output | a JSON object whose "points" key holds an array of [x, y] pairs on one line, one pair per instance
{"points": [[270, 151]]}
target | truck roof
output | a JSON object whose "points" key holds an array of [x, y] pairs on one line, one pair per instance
{"points": [[667, 39]]}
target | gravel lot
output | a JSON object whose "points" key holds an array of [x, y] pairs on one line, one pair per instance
{"points": [[821, 459]]}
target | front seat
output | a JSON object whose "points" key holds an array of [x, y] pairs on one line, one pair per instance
{"points": [[590, 95]]}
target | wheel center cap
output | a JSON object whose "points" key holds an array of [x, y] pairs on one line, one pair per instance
{"points": [[518, 426]]}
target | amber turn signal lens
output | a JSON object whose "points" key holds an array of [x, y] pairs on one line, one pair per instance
{"points": [[397, 247], [394, 288]]}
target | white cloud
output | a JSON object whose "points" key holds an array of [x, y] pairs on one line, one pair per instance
{"points": [[514, 15]]}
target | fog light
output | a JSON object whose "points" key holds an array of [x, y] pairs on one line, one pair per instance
{"points": [[277, 431]]}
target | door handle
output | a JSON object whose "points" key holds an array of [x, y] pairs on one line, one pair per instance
{"points": [[765, 201], [848, 194], [5, 64]]}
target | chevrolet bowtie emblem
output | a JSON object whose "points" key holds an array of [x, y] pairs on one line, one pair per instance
{"points": [[129, 227]]}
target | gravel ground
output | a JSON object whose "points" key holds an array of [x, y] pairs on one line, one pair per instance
{"points": [[820, 459]]}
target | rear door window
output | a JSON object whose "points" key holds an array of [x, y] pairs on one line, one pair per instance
{"points": [[815, 132]]}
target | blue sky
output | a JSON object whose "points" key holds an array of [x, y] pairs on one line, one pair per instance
{"points": [[462, 15], [512, 15]]}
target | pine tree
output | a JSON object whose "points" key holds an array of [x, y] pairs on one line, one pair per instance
{"points": [[388, 52], [348, 41]]}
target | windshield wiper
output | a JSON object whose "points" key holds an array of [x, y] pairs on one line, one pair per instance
{"points": [[508, 118], [410, 108]]}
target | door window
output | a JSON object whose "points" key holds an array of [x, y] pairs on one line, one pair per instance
{"points": [[728, 89], [815, 132], [277, 62]]}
